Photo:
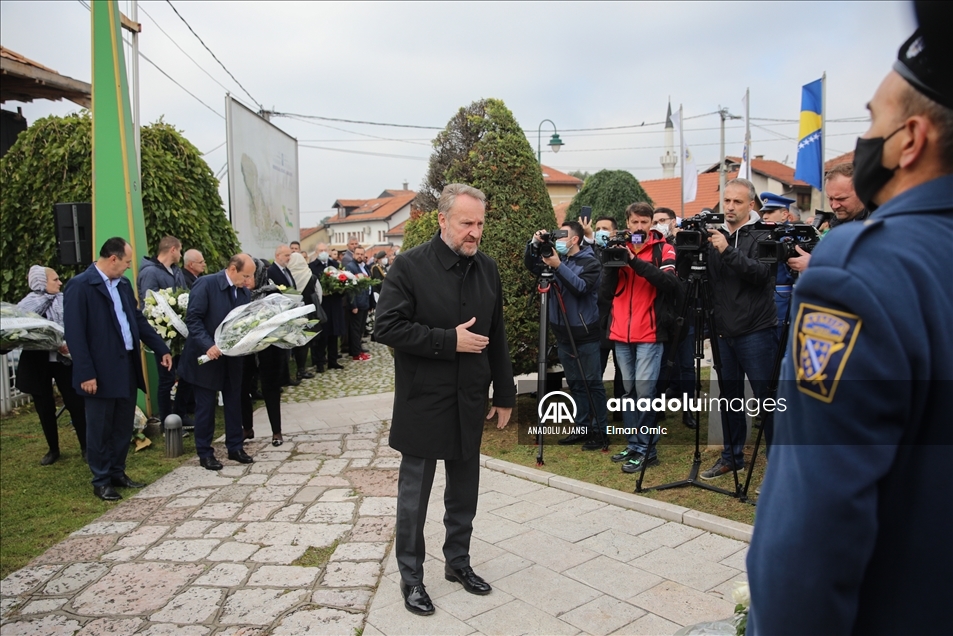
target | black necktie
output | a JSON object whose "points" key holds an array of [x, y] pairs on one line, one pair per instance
{"points": [[290, 278]]}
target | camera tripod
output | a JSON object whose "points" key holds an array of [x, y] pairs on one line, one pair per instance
{"points": [[698, 301], [768, 421], [543, 286]]}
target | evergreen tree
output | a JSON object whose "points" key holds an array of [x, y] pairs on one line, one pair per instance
{"points": [[51, 162], [483, 146], [608, 193]]}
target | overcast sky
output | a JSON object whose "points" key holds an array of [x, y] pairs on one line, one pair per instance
{"points": [[581, 65]]}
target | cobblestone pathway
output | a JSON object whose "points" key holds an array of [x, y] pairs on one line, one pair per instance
{"points": [[356, 378]]}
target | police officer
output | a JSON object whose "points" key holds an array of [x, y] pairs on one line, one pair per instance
{"points": [[774, 209], [855, 520]]}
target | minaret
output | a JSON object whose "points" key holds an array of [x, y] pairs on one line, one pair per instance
{"points": [[670, 158]]}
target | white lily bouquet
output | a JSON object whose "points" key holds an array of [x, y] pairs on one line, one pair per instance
{"points": [[26, 330], [278, 319], [742, 598], [165, 311]]}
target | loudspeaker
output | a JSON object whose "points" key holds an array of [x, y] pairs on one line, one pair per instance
{"points": [[74, 232]]}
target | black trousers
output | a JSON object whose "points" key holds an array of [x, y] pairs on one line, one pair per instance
{"points": [[355, 331], [205, 404], [414, 483], [109, 426], [45, 404], [268, 366]]}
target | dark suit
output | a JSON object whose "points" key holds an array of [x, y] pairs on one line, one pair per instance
{"points": [[324, 346], [99, 352], [277, 275], [210, 300], [357, 322]]}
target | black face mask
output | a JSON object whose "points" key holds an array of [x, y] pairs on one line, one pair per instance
{"points": [[870, 175]]}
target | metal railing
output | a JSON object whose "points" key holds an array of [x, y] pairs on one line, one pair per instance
{"points": [[10, 396]]}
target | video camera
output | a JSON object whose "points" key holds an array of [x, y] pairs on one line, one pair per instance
{"points": [[547, 243], [616, 251], [821, 217], [785, 238], [693, 235]]}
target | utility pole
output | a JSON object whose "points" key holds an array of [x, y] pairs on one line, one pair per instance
{"points": [[724, 114], [136, 124]]}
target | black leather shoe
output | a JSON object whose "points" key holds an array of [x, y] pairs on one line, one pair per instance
{"points": [[416, 599], [106, 493], [241, 457], [307, 375], [210, 463], [471, 582], [573, 439], [335, 366], [125, 482], [49, 458], [689, 420]]}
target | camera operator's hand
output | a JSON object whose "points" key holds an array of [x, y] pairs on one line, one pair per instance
{"points": [[537, 238], [469, 342], [718, 240], [586, 224], [799, 263], [552, 260]]}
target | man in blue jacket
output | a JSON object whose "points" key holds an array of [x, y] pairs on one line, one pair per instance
{"points": [[854, 520], [210, 300], [577, 274], [103, 330]]}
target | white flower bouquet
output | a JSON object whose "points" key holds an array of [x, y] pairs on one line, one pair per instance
{"points": [[26, 330], [165, 311], [278, 319]]}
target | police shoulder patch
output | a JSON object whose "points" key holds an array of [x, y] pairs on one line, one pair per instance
{"points": [[825, 340]]}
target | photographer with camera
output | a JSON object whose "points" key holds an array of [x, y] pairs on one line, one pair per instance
{"points": [[577, 271], [745, 314], [639, 279]]}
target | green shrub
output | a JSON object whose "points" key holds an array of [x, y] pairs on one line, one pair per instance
{"points": [[51, 162], [608, 193], [483, 146]]}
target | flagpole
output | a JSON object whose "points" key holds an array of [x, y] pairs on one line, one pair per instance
{"points": [[748, 133], [681, 151], [823, 137]]}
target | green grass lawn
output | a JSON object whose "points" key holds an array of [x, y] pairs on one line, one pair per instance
{"points": [[42, 505], [676, 451]]}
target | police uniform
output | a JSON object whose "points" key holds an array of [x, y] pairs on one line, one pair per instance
{"points": [[855, 522], [784, 280]]}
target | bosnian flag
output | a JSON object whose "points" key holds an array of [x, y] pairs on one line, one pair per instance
{"points": [[810, 156]]}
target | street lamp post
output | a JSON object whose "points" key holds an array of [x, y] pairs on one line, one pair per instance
{"points": [[554, 142]]}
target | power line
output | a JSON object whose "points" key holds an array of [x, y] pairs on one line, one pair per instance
{"points": [[254, 101], [170, 78], [171, 39], [351, 121], [365, 152], [312, 123]]}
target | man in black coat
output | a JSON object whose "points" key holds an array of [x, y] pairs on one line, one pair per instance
{"points": [[103, 329], [324, 346], [441, 309], [211, 299]]}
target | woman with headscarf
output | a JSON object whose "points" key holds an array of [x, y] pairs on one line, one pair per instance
{"points": [[266, 367], [37, 370], [307, 283]]}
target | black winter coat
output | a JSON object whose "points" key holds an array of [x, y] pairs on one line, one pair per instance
{"points": [[440, 395], [742, 287]]}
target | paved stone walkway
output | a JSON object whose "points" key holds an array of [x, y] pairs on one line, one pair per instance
{"points": [[300, 542]]}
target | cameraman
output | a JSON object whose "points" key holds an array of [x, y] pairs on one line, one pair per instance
{"points": [[604, 228], [643, 294], [745, 315], [577, 271]]}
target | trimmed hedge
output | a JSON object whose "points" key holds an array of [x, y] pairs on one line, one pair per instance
{"points": [[609, 193], [51, 162], [483, 146]]}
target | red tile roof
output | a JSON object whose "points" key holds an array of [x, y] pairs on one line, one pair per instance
{"points": [[305, 232], [666, 193], [554, 177], [560, 211], [372, 209], [847, 157], [397, 230], [773, 169]]}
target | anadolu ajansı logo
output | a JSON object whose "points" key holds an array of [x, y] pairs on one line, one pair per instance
{"points": [[556, 416], [556, 412]]}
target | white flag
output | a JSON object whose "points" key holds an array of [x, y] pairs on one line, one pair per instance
{"points": [[689, 171], [745, 170]]}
